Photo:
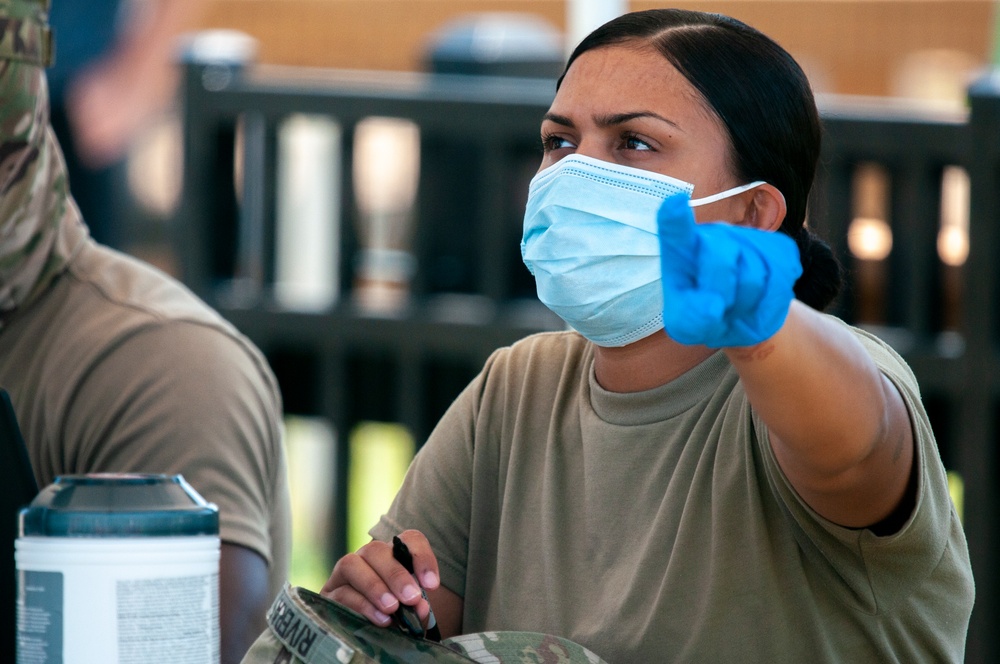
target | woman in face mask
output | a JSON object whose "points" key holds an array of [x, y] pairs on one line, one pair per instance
{"points": [[707, 468]]}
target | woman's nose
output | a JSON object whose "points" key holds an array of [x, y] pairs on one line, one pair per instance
{"points": [[595, 150]]}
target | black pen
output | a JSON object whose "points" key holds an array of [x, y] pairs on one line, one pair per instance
{"points": [[406, 615]]}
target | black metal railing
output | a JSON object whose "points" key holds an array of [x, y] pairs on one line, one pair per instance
{"points": [[470, 294]]}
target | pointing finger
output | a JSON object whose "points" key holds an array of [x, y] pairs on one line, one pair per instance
{"points": [[676, 224]]}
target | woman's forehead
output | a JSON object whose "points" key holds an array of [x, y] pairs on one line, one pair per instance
{"points": [[628, 79]]}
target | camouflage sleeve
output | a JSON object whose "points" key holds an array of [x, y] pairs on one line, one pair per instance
{"points": [[35, 209], [24, 32]]}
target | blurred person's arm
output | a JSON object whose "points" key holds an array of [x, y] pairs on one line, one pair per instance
{"points": [[243, 600], [111, 100]]}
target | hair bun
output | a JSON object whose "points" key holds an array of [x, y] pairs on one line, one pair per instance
{"points": [[822, 274]]}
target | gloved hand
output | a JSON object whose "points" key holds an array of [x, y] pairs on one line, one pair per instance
{"points": [[723, 285]]}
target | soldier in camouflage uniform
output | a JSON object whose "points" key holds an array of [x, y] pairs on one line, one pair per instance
{"points": [[113, 366]]}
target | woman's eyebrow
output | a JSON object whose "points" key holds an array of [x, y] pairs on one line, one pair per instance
{"points": [[559, 119], [621, 118], [609, 120]]}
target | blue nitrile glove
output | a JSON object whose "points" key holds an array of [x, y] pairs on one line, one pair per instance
{"points": [[723, 285]]}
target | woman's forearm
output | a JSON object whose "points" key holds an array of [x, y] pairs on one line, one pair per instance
{"points": [[838, 427]]}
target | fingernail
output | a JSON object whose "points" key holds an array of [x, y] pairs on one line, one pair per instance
{"points": [[380, 617], [429, 579], [410, 592], [388, 601]]}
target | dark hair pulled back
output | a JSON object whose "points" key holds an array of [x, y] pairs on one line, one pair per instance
{"points": [[763, 99]]}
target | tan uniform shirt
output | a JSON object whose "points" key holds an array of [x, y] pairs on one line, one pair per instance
{"points": [[118, 368], [658, 527]]}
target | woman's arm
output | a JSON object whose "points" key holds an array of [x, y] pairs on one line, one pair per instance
{"points": [[448, 608], [838, 427]]}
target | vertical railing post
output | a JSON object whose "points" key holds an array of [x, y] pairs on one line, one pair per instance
{"points": [[914, 264], [253, 274], [212, 61], [975, 453], [332, 405], [493, 211]]}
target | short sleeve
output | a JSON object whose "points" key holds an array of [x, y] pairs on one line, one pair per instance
{"points": [[872, 566], [436, 497], [189, 398]]}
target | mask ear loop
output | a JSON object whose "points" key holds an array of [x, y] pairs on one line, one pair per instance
{"points": [[695, 202]]}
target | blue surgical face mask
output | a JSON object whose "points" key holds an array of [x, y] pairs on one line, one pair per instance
{"points": [[590, 239]]}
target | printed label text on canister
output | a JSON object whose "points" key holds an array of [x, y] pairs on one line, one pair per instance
{"points": [[39, 617]]}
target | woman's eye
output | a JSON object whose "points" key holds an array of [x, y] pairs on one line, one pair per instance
{"points": [[552, 142], [633, 142]]}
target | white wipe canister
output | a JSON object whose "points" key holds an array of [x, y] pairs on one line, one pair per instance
{"points": [[118, 568]]}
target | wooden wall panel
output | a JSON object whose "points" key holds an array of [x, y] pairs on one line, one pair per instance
{"points": [[855, 46], [847, 46], [356, 34]]}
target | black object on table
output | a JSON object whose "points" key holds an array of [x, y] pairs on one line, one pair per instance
{"points": [[17, 490]]}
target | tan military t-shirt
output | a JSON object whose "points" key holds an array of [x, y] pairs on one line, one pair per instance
{"points": [[657, 526], [118, 368]]}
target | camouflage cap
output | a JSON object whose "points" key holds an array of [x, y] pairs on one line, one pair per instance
{"points": [[24, 31], [305, 628], [522, 648]]}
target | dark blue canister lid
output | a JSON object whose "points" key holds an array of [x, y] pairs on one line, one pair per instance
{"points": [[119, 505]]}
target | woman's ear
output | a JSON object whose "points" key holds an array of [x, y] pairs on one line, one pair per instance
{"points": [[766, 208]]}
